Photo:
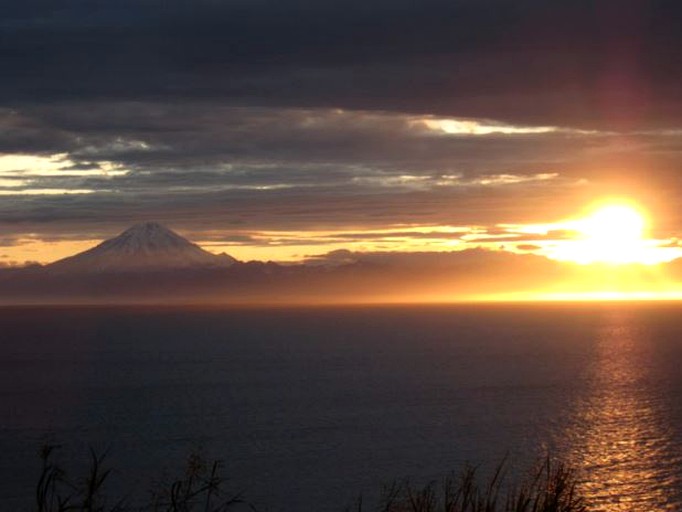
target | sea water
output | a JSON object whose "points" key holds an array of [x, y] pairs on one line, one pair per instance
{"points": [[308, 408]]}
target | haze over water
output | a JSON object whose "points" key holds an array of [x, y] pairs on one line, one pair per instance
{"points": [[310, 407]]}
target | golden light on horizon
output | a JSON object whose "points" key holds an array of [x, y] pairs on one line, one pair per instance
{"points": [[606, 254]]}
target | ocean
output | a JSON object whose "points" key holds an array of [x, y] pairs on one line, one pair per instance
{"points": [[309, 408]]}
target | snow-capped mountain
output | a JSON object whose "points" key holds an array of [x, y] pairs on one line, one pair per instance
{"points": [[146, 246]]}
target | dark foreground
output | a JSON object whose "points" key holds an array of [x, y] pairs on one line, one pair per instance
{"points": [[549, 487]]}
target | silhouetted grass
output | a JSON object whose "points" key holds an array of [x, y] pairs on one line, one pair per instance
{"points": [[550, 488], [200, 489]]}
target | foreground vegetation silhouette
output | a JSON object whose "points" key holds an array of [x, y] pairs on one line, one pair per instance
{"points": [[201, 488], [551, 487]]}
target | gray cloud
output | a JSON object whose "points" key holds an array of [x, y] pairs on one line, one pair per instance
{"points": [[523, 61], [273, 167], [249, 116], [8, 242]]}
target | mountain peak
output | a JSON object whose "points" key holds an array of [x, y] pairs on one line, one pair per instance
{"points": [[144, 246], [148, 226], [148, 237]]}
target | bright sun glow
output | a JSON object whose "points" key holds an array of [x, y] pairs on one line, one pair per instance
{"points": [[614, 225], [613, 234]]}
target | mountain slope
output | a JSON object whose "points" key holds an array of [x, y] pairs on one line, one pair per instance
{"points": [[146, 246]]}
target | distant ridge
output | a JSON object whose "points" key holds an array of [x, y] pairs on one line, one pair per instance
{"points": [[144, 246]]}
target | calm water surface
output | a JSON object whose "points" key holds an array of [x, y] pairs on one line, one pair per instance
{"points": [[310, 407]]}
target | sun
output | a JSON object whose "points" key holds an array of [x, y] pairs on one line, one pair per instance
{"points": [[612, 233], [614, 225]]}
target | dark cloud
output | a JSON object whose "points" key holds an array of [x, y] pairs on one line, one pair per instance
{"points": [[153, 135], [21, 133], [268, 168], [609, 63], [273, 146], [242, 116], [8, 242], [291, 209]]}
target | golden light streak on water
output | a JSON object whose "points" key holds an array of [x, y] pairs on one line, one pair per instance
{"points": [[619, 440]]}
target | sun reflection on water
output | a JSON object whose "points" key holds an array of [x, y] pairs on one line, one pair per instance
{"points": [[618, 438]]}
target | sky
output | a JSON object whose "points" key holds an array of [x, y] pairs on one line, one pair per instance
{"points": [[288, 130]]}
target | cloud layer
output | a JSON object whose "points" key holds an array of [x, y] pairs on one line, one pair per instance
{"points": [[230, 120]]}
